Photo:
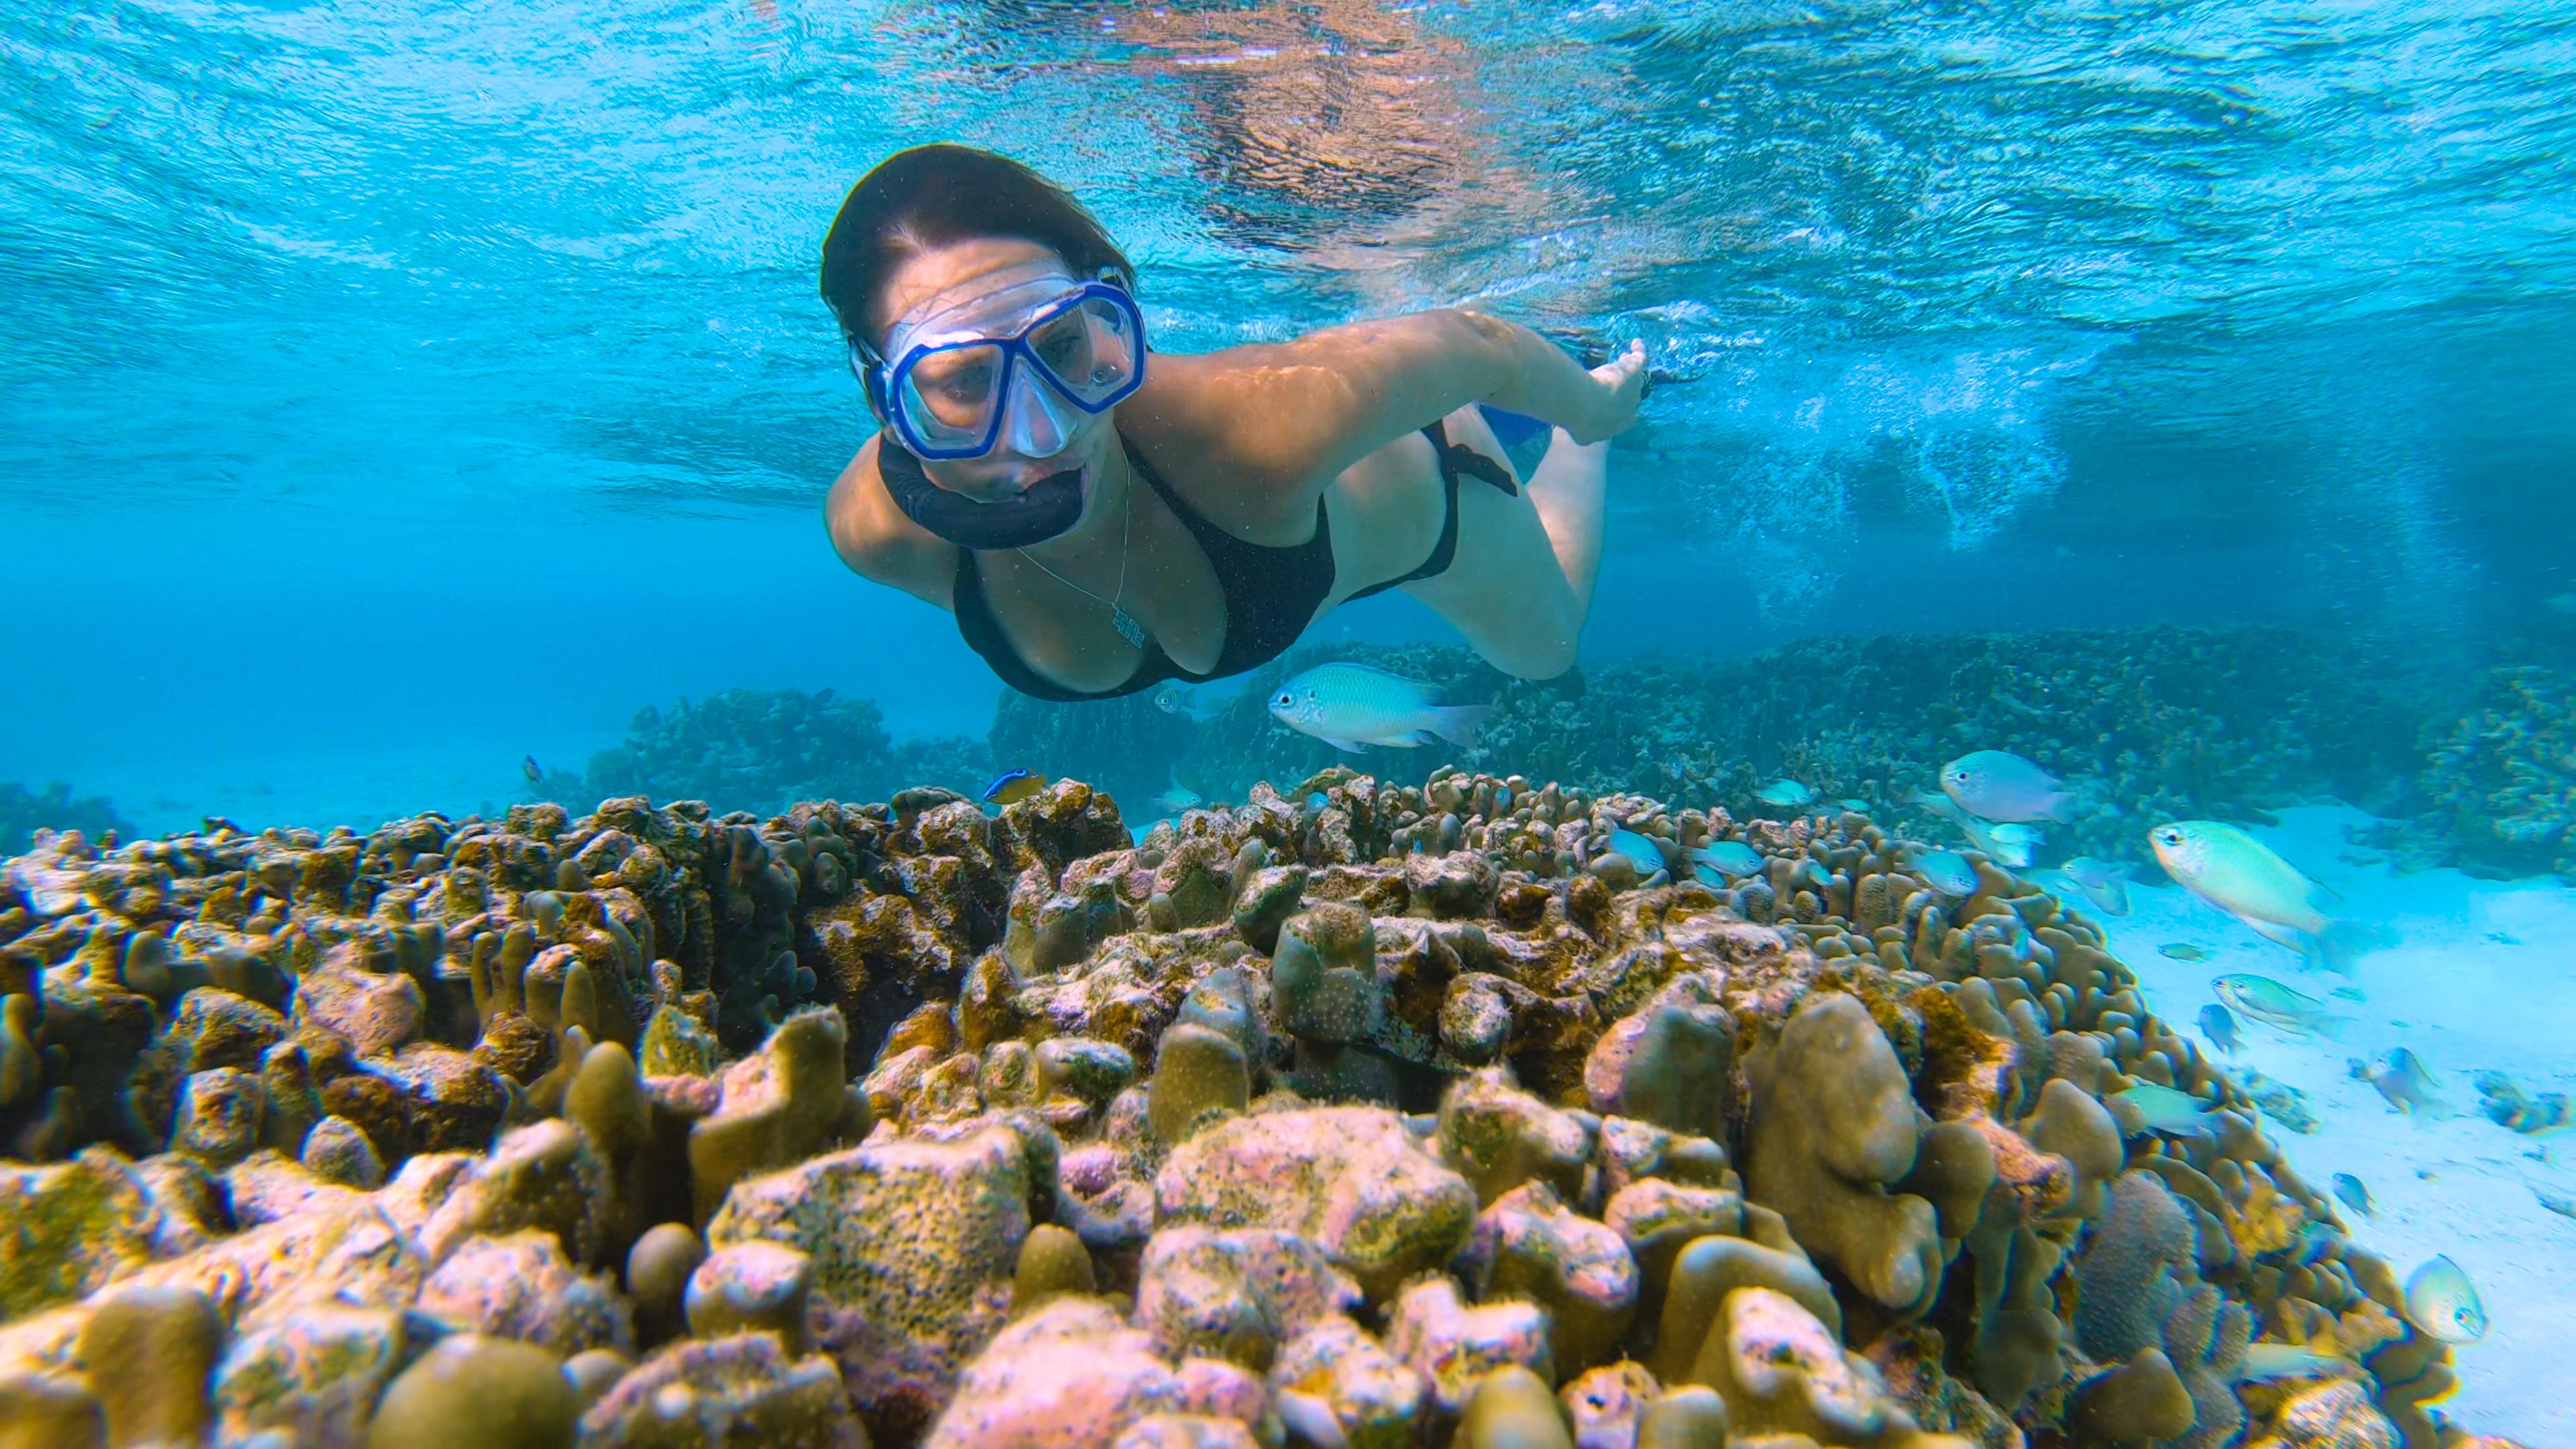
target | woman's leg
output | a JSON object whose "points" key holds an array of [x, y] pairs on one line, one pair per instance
{"points": [[1520, 585], [1567, 488]]}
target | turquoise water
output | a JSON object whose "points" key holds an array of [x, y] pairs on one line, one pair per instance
{"points": [[392, 393], [367, 368]]}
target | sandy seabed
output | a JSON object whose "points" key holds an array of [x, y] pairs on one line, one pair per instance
{"points": [[2481, 977]]}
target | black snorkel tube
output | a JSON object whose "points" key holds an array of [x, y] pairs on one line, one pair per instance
{"points": [[1049, 507]]}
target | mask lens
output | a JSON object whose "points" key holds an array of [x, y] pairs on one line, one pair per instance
{"points": [[1088, 350], [950, 395]]}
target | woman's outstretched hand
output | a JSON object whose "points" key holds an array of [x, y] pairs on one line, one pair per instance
{"points": [[1622, 382]]}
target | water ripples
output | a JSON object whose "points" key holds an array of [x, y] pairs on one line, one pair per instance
{"points": [[551, 251]]}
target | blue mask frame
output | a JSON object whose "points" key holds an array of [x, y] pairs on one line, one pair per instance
{"points": [[884, 380]]}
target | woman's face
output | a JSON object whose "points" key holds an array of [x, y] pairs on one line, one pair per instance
{"points": [[951, 274]]}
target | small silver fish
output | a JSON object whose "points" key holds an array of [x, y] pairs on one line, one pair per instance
{"points": [[2442, 1301], [1948, 871], [2219, 1025], [1198, 703], [1729, 857], [1857, 807], [1641, 851], [2406, 1082], [2564, 1207], [1309, 1420], [2104, 884], [2348, 993], [2349, 1189], [2278, 1006], [2268, 1362], [2014, 844], [2165, 1110], [1787, 794], [1351, 706], [2000, 785], [1178, 798], [2245, 878]]}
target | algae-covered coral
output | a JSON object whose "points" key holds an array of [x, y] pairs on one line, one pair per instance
{"points": [[1358, 1114]]}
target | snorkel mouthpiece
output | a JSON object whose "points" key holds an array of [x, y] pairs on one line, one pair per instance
{"points": [[1050, 506]]}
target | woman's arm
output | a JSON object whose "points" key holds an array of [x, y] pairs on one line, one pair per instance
{"points": [[877, 542], [1298, 413]]}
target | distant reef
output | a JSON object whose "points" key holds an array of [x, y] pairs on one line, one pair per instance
{"points": [[24, 812], [2497, 793], [2145, 725], [761, 749], [2468, 766], [1358, 1112]]}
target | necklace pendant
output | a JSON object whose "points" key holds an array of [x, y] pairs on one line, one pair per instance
{"points": [[1128, 626]]}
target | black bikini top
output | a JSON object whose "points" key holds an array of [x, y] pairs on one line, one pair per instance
{"points": [[1271, 594]]}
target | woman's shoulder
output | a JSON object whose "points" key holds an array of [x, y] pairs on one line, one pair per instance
{"points": [[877, 542], [1197, 423]]}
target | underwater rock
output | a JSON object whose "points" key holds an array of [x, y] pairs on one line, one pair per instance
{"points": [[521, 1286], [753, 1286], [336, 1150], [1236, 1295], [1350, 1178], [914, 1247], [1335, 1370], [1511, 1408], [314, 1374], [1529, 1244], [373, 1012], [743, 1389], [75, 1226], [151, 1353], [1780, 1371], [1072, 1373], [1834, 1126], [778, 1105], [470, 1391], [1453, 1344]]}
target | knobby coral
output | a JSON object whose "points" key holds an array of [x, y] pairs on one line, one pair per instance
{"points": [[1363, 1112]]}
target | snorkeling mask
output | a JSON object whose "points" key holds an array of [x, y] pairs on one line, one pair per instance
{"points": [[1017, 365], [1000, 368]]}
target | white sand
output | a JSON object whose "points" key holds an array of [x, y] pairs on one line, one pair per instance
{"points": [[2482, 977]]}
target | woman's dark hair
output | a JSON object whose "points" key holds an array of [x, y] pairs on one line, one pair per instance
{"points": [[933, 196]]}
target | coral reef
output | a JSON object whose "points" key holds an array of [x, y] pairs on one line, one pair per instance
{"points": [[763, 749], [1361, 1113], [2196, 722], [2499, 789], [23, 812]]}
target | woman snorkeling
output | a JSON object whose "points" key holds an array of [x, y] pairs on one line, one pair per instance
{"points": [[1101, 522]]}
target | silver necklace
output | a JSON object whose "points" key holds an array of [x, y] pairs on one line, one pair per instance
{"points": [[1128, 626]]}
